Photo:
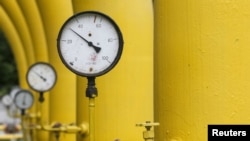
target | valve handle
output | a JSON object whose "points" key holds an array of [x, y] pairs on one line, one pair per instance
{"points": [[148, 124]]}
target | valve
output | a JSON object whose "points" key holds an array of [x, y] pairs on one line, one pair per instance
{"points": [[11, 128], [148, 135], [56, 125]]}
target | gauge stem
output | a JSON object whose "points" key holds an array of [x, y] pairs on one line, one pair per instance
{"points": [[41, 97], [91, 91], [91, 119]]}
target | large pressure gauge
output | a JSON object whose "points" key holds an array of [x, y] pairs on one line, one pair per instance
{"points": [[90, 43], [41, 76]]}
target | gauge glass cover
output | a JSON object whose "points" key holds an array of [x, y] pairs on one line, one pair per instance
{"points": [[41, 76], [90, 43], [23, 99]]}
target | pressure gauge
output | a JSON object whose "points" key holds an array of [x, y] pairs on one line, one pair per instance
{"points": [[7, 100], [41, 76], [90, 43], [23, 99]]}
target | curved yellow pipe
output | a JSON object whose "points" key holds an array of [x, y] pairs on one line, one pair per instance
{"points": [[33, 19], [11, 7], [16, 45]]}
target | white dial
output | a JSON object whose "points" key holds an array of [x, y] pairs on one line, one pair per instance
{"points": [[23, 99], [7, 100], [41, 76], [90, 43]]}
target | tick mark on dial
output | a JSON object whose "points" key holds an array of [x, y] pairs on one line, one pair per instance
{"points": [[71, 63]]}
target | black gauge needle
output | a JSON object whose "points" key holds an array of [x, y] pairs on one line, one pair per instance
{"points": [[44, 79], [97, 49], [24, 103]]}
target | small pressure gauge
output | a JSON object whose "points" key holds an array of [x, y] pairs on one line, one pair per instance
{"points": [[23, 99], [41, 76], [90, 43], [7, 100]]}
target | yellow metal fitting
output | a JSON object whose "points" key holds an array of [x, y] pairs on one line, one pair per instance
{"points": [[148, 124], [82, 129], [66, 128], [34, 115], [148, 135]]}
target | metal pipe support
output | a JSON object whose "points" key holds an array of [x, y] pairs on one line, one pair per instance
{"points": [[71, 129]]}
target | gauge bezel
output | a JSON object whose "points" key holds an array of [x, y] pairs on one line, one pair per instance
{"points": [[119, 52], [16, 98], [37, 65]]}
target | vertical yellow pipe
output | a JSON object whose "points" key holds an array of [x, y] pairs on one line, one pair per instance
{"points": [[201, 66], [63, 96], [91, 119], [125, 94]]}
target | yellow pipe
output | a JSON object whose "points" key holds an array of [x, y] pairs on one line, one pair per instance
{"points": [[16, 45], [201, 66], [126, 92], [63, 96], [34, 20], [24, 125], [92, 119], [15, 14], [65, 128], [35, 26], [22, 31]]}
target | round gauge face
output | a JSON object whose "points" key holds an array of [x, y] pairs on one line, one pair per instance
{"points": [[41, 76], [90, 43], [23, 99], [7, 100]]}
